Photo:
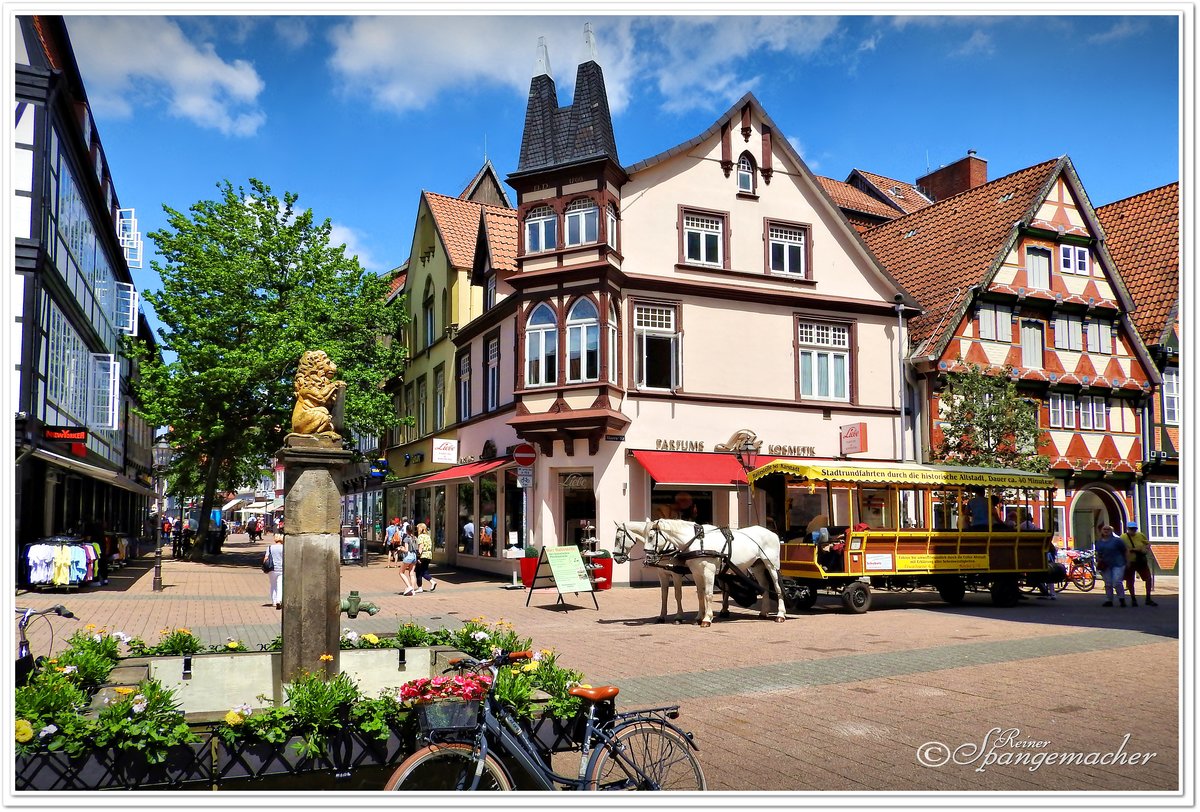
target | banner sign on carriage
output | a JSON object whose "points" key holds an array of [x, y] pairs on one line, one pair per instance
{"points": [[905, 474]]}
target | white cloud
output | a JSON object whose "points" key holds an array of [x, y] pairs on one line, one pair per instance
{"points": [[293, 31], [812, 163], [979, 43], [130, 61], [405, 63], [1120, 30], [353, 241]]}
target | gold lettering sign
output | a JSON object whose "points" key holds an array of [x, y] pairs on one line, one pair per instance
{"points": [[679, 445], [792, 450]]}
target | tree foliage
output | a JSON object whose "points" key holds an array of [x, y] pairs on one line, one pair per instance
{"points": [[986, 422], [248, 284]]}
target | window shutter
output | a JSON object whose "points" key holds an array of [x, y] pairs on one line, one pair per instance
{"points": [[127, 309], [105, 389]]}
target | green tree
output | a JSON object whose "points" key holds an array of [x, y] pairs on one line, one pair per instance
{"points": [[248, 284], [986, 422]]}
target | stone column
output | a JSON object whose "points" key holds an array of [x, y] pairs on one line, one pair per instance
{"points": [[312, 513]]}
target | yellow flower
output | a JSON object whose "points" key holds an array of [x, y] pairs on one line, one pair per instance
{"points": [[532, 665], [24, 731], [90, 626], [53, 659], [326, 658], [123, 690], [516, 670], [233, 718], [585, 685], [546, 652], [182, 630], [370, 638], [232, 644]]}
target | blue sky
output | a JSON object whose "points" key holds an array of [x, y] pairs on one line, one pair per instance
{"points": [[359, 114]]}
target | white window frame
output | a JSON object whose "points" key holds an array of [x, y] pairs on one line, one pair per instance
{"points": [[541, 230], [823, 347], [464, 386], [1093, 413], [611, 225], [105, 391], [493, 374], [613, 348], [1074, 259], [1170, 396], [1033, 344], [1040, 280], [656, 322], [1100, 337], [788, 237], [126, 317], [704, 226], [489, 292], [746, 174], [1163, 513], [995, 323], [541, 348], [582, 215], [422, 407], [1068, 333], [439, 399], [579, 331]]}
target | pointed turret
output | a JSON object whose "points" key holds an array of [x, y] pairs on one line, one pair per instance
{"points": [[537, 140]]}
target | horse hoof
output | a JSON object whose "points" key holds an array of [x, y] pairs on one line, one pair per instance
{"points": [[779, 619], [723, 613], [704, 624]]}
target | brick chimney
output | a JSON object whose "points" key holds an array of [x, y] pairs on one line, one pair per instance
{"points": [[960, 176]]}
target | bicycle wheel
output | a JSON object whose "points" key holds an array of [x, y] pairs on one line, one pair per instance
{"points": [[1085, 579], [645, 756], [447, 767]]}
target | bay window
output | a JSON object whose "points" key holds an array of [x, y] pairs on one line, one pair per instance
{"points": [[583, 222], [541, 347], [583, 342], [541, 230]]}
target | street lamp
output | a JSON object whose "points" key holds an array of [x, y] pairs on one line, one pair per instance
{"points": [[162, 458], [747, 457]]}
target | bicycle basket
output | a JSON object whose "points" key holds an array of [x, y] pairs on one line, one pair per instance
{"points": [[447, 715]]}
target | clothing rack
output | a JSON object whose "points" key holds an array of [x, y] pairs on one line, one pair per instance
{"points": [[60, 562]]}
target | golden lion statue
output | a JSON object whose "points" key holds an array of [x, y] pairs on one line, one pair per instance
{"points": [[318, 396]]}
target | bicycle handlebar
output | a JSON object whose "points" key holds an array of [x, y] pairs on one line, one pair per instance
{"points": [[503, 658], [57, 609]]}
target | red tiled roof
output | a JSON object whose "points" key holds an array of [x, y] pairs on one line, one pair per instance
{"points": [[855, 199], [941, 250], [457, 223], [904, 195], [1142, 236], [397, 283], [500, 225]]}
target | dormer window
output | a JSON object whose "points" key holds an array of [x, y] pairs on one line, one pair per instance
{"points": [[583, 222], [746, 176], [541, 230]]}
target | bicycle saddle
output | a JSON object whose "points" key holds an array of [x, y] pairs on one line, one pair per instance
{"points": [[595, 694]]}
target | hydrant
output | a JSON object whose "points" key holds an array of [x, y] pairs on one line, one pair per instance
{"points": [[354, 604]]}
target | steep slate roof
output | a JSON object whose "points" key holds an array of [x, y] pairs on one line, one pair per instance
{"points": [[1142, 235], [560, 136], [457, 223], [942, 250], [851, 197], [908, 198]]}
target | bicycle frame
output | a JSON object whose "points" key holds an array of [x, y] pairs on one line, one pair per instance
{"points": [[512, 744]]}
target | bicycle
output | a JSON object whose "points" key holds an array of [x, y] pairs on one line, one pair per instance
{"points": [[634, 750], [1081, 571], [25, 658]]}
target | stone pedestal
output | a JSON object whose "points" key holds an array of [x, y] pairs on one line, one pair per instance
{"points": [[312, 514]]}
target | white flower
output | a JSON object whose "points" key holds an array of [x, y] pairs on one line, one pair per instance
{"points": [[479, 635], [124, 638], [537, 656], [108, 700], [243, 709], [99, 638], [70, 669], [138, 707], [48, 730], [352, 636], [495, 651]]}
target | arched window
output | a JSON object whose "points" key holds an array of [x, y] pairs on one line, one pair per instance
{"points": [[613, 347], [541, 347], [583, 342], [541, 230], [747, 176], [611, 226], [430, 317], [583, 221]]}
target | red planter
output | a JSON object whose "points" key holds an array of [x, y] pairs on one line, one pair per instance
{"points": [[528, 570]]}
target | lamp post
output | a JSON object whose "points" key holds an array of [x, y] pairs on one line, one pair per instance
{"points": [[747, 457], [162, 458]]}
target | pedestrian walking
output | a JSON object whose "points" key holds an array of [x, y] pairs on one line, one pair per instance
{"points": [[273, 558], [391, 540], [1137, 562], [1111, 552], [408, 563], [424, 559]]}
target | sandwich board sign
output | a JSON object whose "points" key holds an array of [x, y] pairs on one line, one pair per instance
{"points": [[563, 569]]}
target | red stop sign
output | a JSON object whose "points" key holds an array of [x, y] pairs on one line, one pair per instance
{"points": [[524, 454]]}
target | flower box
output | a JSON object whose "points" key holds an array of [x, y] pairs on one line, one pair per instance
{"points": [[557, 735], [109, 769], [343, 753]]}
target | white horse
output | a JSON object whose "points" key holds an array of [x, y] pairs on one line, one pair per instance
{"points": [[752, 549], [628, 535]]}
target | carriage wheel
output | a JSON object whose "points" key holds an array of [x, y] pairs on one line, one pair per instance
{"points": [[856, 597], [800, 598], [952, 589], [1005, 592]]}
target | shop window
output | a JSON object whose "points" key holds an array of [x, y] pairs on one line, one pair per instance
{"points": [[1164, 513], [466, 518], [485, 532], [668, 502], [514, 512]]}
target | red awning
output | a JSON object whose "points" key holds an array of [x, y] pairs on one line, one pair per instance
{"points": [[467, 469], [692, 468]]}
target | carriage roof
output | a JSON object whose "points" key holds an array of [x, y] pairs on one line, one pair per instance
{"points": [[901, 473]]}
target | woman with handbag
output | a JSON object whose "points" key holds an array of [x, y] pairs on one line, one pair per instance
{"points": [[408, 562], [272, 564]]}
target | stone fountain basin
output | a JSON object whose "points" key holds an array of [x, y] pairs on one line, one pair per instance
{"points": [[218, 682]]}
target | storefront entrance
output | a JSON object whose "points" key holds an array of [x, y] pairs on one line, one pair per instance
{"points": [[1094, 508], [579, 507]]}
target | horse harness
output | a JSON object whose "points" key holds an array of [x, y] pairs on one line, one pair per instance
{"points": [[731, 577]]}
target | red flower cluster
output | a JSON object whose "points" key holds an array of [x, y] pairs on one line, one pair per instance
{"points": [[461, 686]]}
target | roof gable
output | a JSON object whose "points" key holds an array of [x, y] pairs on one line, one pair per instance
{"points": [[906, 197], [851, 197], [485, 188], [457, 224], [1142, 236]]}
